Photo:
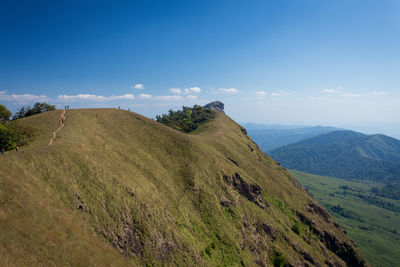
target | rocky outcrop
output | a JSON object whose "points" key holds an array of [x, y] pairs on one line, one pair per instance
{"points": [[216, 105], [252, 192], [345, 250]]}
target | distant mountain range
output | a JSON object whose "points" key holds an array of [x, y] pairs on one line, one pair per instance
{"points": [[345, 154], [270, 137]]}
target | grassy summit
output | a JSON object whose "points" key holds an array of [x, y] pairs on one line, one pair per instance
{"points": [[116, 188]]}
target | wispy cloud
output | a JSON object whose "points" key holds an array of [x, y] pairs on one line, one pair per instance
{"points": [[186, 91], [192, 90], [89, 97], [261, 93], [280, 93], [332, 91], [22, 98], [229, 90], [379, 93], [139, 86], [191, 97], [145, 96], [350, 95], [177, 91]]}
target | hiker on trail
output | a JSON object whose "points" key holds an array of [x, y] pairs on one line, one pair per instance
{"points": [[17, 148], [62, 120], [2, 151]]}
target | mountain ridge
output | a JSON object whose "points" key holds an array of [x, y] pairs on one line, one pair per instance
{"points": [[269, 139], [118, 188]]}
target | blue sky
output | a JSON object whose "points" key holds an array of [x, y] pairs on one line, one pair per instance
{"points": [[292, 62]]}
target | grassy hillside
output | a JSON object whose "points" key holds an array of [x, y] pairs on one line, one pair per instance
{"points": [[344, 154], [372, 221], [116, 188]]}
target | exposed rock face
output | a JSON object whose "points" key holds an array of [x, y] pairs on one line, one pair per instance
{"points": [[216, 105], [345, 250], [252, 192]]}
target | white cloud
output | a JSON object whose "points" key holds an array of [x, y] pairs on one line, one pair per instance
{"points": [[126, 96], [229, 90], [192, 90], [90, 97], [379, 93], [261, 93], [139, 86], [191, 96], [145, 96], [350, 95], [329, 91], [22, 98], [177, 91], [333, 91], [279, 93], [187, 91]]}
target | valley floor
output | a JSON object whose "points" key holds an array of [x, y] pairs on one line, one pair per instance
{"points": [[372, 221]]}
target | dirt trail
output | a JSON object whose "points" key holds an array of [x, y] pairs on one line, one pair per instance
{"points": [[59, 128]]}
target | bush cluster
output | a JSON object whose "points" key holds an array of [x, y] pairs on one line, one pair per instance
{"points": [[12, 135], [188, 119], [26, 111]]}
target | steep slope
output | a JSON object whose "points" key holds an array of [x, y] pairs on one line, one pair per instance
{"points": [[269, 139], [344, 154], [116, 188]]}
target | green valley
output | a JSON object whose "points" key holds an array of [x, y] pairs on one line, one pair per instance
{"points": [[371, 220]]}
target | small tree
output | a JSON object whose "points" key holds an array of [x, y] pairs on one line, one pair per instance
{"points": [[26, 111], [5, 114], [8, 137], [39, 108]]}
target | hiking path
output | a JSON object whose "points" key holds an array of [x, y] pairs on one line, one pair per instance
{"points": [[59, 128]]}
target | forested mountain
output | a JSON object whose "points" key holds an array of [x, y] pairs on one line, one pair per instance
{"points": [[275, 136], [344, 154]]}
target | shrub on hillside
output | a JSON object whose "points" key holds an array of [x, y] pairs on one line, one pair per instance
{"points": [[188, 119], [12, 135], [26, 111], [8, 137], [5, 114]]}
